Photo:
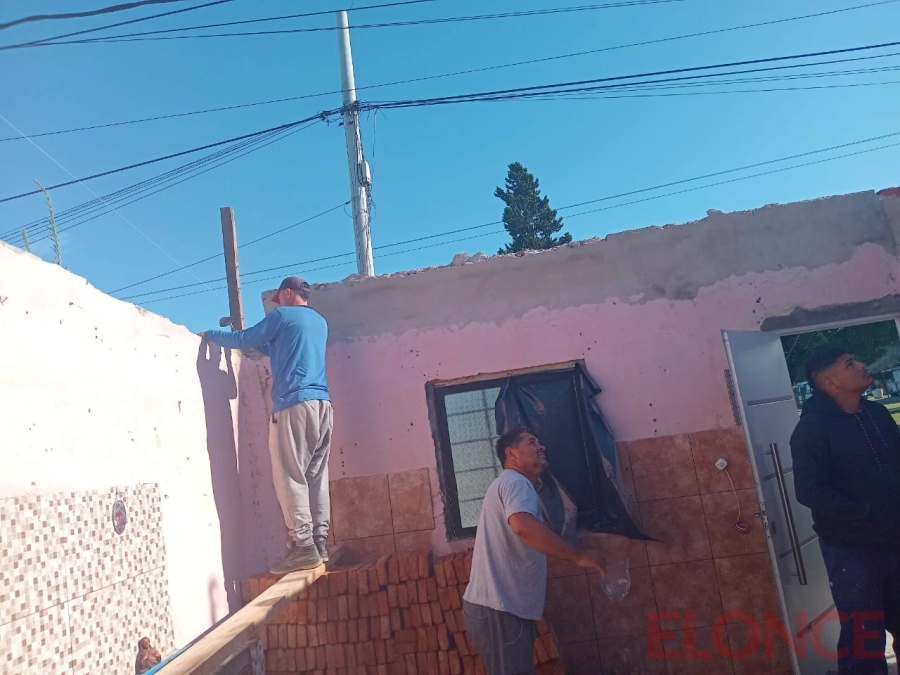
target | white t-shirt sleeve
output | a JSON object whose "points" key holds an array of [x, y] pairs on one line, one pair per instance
{"points": [[518, 496]]}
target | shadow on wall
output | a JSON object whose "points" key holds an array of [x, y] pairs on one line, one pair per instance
{"points": [[213, 591], [265, 535], [219, 389]]}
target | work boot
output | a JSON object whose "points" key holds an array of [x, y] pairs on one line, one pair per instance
{"points": [[301, 557], [322, 547]]}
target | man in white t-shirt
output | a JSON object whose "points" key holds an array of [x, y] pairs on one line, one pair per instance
{"points": [[508, 582]]}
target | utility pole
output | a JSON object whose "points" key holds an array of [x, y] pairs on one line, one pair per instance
{"points": [[229, 242], [360, 177]]}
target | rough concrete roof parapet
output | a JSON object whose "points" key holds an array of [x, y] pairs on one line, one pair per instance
{"points": [[639, 236]]}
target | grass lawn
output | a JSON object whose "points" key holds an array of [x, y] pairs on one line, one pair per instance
{"points": [[893, 405]]}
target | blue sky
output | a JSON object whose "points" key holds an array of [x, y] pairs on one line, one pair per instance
{"points": [[434, 168]]}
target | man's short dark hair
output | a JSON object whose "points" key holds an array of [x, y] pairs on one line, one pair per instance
{"points": [[297, 284], [822, 360], [510, 440]]}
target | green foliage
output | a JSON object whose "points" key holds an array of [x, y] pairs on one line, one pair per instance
{"points": [[54, 234], [868, 342], [25, 240], [528, 217]]}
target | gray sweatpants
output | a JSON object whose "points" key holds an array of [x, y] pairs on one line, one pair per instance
{"points": [[504, 642], [300, 446]]}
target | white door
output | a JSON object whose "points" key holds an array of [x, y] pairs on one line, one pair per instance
{"points": [[762, 388]]}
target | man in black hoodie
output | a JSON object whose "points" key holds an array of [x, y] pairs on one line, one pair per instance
{"points": [[846, 452]]}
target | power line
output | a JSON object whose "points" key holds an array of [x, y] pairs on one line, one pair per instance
{"points": [[545, 92], [245, 275], [691, 86], [734, 180], [324, 267], [591, 84], [228, 151], [210, 162], [81, 15], [249, 243], [115, 25], [320, 116], [678, 84], [100, 210], [646, 43], [167, 179], [283, 17], [456, 73], [218, 2], [744, 168], [64, 216], [602, 199], [319, 95], [605, 208], [117, 196], [289, 125], [332, 266], [171, 116], [136, 188], [628, 86], [667, 83], [529, 91], [154, 36], [502, 96], [716, 93], [76, 211], [86, 187]]}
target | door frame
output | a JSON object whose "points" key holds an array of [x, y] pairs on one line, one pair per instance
{"points": [[738, 399], [760, 499], [831, 325]]}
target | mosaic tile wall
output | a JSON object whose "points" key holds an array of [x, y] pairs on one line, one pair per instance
{"points": [[75, 597]]}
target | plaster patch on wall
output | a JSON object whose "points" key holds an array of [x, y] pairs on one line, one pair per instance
{"points": [[800, 317]]}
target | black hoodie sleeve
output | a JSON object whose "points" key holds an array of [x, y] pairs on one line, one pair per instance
{"points": [[812, 482]]}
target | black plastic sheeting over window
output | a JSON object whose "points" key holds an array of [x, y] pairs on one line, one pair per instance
{"points": [[559, 408]]}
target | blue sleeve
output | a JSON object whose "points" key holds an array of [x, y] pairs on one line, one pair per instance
{"points": [[255, 337]]}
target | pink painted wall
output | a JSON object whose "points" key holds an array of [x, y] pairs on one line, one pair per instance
{"points": [[96, 393], [660, 364], [644, 310]]}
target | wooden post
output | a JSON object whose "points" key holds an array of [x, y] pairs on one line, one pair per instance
{"points": [[229, 241]]}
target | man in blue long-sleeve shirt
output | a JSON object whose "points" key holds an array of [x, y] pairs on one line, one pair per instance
{"points": [[294, 338]]}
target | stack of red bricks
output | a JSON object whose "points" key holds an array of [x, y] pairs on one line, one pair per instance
{"points": [[398, 616]]}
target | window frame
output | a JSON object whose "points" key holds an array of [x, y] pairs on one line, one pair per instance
{"points": [[436, 392]]}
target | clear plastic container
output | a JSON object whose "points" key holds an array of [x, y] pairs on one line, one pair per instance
{"points": [[617, 581]]}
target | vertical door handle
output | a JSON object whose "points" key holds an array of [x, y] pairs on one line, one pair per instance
{"points": [[788, 514]]}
